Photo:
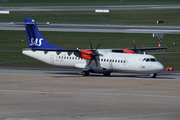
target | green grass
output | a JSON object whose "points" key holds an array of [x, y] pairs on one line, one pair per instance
{"points": [[145, 17], [84, 2], [169, 60], [11, 45]]}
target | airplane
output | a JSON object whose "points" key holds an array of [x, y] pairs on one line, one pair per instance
{"points": [[103, 61]]}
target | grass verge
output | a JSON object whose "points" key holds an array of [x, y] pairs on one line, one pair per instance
{"points": [[139, 17]]}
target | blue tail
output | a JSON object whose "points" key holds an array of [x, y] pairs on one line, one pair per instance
{"points": [[35, 39]]}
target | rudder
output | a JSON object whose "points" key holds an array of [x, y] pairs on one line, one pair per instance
{"points": [[35, 39]]}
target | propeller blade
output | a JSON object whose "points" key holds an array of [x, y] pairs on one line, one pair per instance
{"points": [[94, 54], [91, 46], [96, 62], [97, 46], [134, 45], [100, 55], [140, 49], [89, 62]]}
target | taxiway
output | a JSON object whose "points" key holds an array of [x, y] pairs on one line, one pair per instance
{"points": [[91, 8], [97, 28], [55, 93]]}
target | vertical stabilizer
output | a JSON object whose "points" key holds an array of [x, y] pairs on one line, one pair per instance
{"points": [[35, 39]]}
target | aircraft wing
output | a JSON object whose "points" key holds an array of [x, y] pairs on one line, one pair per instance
{"points": [[113, 50], [138, 49], [153, 48]]}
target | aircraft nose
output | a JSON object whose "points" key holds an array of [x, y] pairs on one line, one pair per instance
{"points": [[160, 67]]}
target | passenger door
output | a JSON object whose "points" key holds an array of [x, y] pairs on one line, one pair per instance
{"points": [[52, 59]]}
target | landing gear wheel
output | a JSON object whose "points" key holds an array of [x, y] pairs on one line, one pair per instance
{"points": [[153, 75], [107, 74], [85, 73]]}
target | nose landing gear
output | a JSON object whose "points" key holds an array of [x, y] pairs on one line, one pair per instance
{"points": [[153, 75]]}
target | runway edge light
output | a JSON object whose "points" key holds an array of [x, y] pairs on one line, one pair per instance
{"points": [[4, 12], [101, 11], [158, 35], [160, 21]]}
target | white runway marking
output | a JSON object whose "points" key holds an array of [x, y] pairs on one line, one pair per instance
{"points": [[154, 30], [76, 93], [156, 114]]}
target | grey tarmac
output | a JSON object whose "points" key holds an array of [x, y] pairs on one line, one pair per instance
{"points": [[91, 8], [96, 28], [56, 93]]}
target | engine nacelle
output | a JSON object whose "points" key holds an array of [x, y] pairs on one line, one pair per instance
{"points": [[127, 51], [85, 54]]}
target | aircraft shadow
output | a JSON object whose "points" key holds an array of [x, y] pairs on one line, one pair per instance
{"points": [[134, 76], [75, 74]]}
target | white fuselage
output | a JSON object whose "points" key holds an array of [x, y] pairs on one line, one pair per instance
{"points": [[109, 61]]}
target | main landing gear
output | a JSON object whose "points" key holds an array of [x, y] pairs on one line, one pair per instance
{"points": [[153, 75], [85, 73], [107, 74]]}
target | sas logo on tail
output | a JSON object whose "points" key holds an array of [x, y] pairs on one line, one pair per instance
{"points": [[36, 42]]}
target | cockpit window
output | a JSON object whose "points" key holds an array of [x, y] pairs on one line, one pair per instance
{"points": [[144, 60], [156, 59], [153, 59], [147, 60]]}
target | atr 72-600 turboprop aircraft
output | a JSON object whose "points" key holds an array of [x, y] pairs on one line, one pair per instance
{"points": [[91, 60]]}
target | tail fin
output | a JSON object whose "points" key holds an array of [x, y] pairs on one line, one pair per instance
{"points": [[35, 39]]}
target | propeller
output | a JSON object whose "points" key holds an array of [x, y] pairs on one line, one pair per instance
{"points": [[94, 54], [136, 50]]}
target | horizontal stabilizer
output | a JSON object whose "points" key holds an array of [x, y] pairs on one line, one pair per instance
{"points": [[57, 50], [20, 23]]}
